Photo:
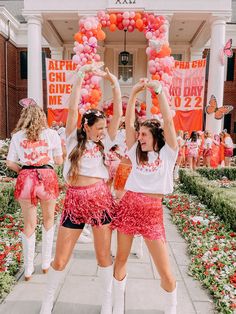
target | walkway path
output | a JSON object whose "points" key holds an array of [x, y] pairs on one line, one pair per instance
{"points": [[79, 292]]}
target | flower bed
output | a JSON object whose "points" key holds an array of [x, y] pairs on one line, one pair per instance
{"points": [[212, 247]]}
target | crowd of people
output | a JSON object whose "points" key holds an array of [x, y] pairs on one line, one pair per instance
{"points": [[116, 177]]}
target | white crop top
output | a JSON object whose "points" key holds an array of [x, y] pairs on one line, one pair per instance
{"points": [[155, 177], [36, 153], [91, 163], [207, 143]]}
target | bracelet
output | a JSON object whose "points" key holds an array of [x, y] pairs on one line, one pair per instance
{"points": [[80, 74], [158, 90]]}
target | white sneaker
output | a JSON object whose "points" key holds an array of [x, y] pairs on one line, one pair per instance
{"points": [[84, 239]]}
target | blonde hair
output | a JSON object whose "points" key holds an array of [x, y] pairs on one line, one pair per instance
{"points": [[32, 120]]}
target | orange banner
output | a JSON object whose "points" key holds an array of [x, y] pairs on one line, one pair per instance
{"points": [[188, 85], [188, 120]]}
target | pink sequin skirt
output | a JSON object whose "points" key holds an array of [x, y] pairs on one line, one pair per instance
{"points": [[139, 214], [34, 184], [92, 204]]}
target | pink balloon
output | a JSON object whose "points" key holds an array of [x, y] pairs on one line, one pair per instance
{"points": [[130, 28], [76, 59], [126, 15], [97, 57], [95, 80], [86, 48], [148, 50], [149, 35], [87, 25], [132, 15], [84, 60], [101, 14], [92, 40], [125, 22], [152, 69], [84, 91]]}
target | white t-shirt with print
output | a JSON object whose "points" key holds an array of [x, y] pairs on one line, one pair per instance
{"points": [[91, 163], [156, 176], [38, 153], [229, 142], [207, 143]]}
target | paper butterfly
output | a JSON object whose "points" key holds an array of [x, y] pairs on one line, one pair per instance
{"points": [[226, 51], [26, 102], [218, 112]]}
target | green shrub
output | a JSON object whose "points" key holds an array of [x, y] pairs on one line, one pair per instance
{"points": [[215, 174], [8, 205], [221, 201], [6, 282]]}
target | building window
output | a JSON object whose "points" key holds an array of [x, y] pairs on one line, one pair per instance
{"points": [[177, 56], [125, 72], [227, 122], [24, 62], [230, 68]]}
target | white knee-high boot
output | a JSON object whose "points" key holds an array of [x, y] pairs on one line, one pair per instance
{"points": [[53, 280], [28, 251], [171, 301], [119, 295], [106, 277], [47, 242]]}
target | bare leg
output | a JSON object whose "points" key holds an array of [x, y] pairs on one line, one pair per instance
{"points": [[159, 253]]}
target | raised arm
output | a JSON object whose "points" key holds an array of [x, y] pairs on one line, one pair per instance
{"points": [[169, 128], [72, 118], [130, 113], [117, 102]]}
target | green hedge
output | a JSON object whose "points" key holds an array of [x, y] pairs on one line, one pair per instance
{"points": [[220, 200], [215, 174]]}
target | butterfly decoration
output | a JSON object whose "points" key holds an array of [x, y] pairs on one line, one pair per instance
{"points": [[226, 51], [26, 102], [218, 112]]}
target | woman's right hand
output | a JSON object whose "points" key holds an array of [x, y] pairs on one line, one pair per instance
{"points": [[140, 86]]}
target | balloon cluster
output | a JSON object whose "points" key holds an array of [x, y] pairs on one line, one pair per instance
{"points": [[160, 62], [140, 109]]}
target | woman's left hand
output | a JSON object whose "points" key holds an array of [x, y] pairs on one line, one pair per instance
{"points": [[154, 84]]}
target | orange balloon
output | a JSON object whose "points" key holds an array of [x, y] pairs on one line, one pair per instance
{"points": [[95, 94], [112, 27], [155, 102], [154, 110], [143, 106], [156, 77], [78, 37], [113, 18], [137, 16], [165, 51], [101, 35], [139, 23]]}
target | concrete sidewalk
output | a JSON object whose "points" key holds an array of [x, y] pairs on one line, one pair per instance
{"points": [[79, 292]]}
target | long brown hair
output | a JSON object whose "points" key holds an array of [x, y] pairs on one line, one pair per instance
{"points": [[90, 117], [158, 139], [32, 120]]}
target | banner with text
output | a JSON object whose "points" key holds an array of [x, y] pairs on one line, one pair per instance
{"points": [[58, 73], [187, 93]]}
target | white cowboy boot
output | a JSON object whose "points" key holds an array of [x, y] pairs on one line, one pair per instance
{"points": [[47, 243], [119, 295], [171, 301], [106, 277], [28, 251], [53, 280]]}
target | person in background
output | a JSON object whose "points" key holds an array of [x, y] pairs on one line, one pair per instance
{"points": [[180, 157], [207, 149], [228, 148], [33, 152], [192, 147]]}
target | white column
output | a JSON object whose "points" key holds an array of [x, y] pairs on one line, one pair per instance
{"points": [[57, 53], [216, 73], [35, 89], [195, 53]]}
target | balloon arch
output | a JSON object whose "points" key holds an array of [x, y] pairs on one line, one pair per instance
{"points": [[160, 62]]}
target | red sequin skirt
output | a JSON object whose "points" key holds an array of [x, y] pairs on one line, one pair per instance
{"points": [[139, 214], [34, 184], [228, 152], [91, 204], [121, 176]]}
